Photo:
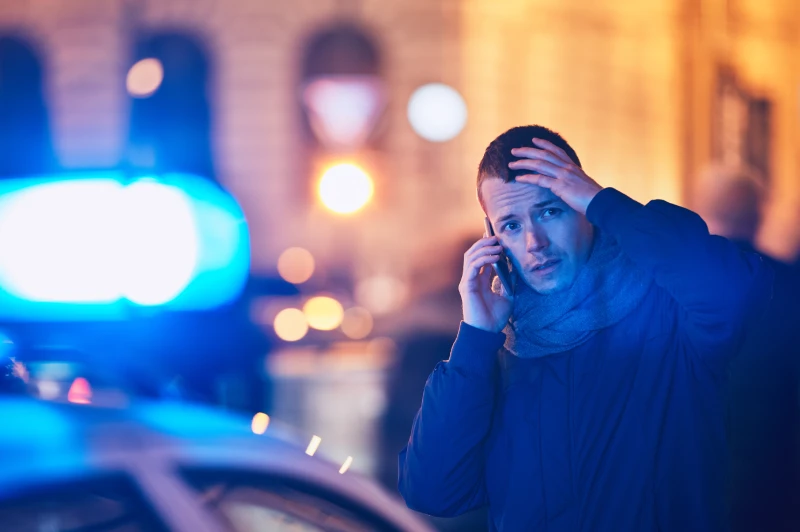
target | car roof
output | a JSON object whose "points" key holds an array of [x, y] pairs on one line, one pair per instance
{"points": [[43, 442], [45, 439]]}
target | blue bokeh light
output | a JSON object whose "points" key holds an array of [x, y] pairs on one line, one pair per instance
{"points": [[90, 246]]}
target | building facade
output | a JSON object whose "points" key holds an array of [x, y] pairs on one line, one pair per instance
{"points": [[637, 88]]}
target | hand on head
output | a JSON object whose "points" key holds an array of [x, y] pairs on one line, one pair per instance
{"points": [[554, 170]]}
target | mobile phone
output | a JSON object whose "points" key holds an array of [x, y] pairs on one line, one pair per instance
{"points": [[501, 267]]}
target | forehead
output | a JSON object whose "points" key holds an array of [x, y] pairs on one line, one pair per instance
{"points": [[501, 198]]}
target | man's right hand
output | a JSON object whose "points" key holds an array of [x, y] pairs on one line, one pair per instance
{"points": [[483, 308]]}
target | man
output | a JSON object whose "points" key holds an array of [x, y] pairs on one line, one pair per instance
{"points": [[602, 405]]}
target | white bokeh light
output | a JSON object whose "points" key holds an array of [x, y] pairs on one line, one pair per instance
{"points": [[97, 241], [381, 294], [343, 109], [290, 324], [437, 112], [60, 241], [323, 313], [260, 423], [345, 188], [144, 78], [161, 242], [357, 323], [296, 265]]}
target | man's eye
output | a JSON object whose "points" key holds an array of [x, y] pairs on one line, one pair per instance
{"points": [[511, 226], [549, 213]]}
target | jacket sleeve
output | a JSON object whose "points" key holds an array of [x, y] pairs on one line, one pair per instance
{"points": [[714, 282], [441, 468]]}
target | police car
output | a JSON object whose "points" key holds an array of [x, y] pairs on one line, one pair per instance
{"points": [[172, 466]]}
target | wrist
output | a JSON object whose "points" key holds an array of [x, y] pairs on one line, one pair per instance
{"points": [[474, 350], [587, 199], [476, 324]]}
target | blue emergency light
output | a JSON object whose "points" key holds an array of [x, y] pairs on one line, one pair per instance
{"points": [[94, 246]]}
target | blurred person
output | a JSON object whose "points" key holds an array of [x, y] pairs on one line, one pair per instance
{"points": [[593, 397], [731, 201], [764, 413]]}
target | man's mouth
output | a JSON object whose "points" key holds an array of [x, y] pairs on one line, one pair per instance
{"points": [[546, 267]]}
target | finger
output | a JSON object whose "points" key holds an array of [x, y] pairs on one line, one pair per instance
{"points": [[555, 150], [542, 167], [538, 180], [474, 267], [537, 154], [488, 250], [487, 240], [483, 252], [480, 244]]}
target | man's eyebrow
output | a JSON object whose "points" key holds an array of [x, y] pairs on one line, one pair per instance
{"points": [[505, 217], [539, 205], [546, 203]]}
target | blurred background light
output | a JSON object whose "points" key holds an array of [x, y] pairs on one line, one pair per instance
{"points": [[382, 346], [161, 243], [80, 392], [346, 465], [357, 323], [60, 241], [260, 423], [6, 345], [343, 109], [313, 445], [323, 313], [145, 77], [381, 294], [290, 324], [223, 260], [20, 371], [345, 188], [437, 112], [48, 389], [296, 265], [74, 243]]}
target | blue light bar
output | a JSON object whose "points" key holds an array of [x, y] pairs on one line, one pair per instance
{"points": [[90, 246]]}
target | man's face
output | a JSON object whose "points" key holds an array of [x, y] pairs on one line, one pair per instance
{"points": [[547, 241]]}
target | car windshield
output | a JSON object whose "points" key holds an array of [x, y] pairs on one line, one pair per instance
{"points": [[256, 503]]}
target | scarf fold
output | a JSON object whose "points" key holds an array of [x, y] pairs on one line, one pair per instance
{"points": [[607, 289]]}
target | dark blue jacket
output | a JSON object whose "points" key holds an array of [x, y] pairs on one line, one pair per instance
{"points": [[624, 433]]}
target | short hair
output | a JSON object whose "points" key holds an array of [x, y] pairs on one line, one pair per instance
{"points": [[494, 163]]}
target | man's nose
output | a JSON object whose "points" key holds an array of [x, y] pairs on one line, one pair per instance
{"points": [[535, 240]]}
